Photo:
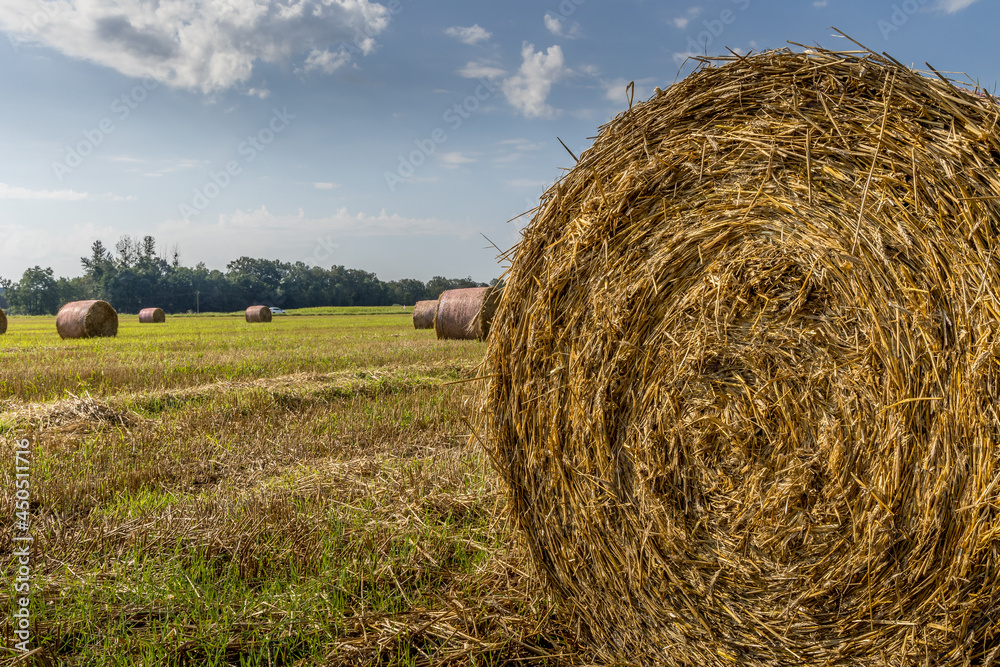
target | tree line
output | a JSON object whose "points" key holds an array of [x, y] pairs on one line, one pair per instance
{"points": [[136, 276]]}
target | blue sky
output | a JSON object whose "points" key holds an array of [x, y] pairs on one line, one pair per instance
{"points": [[394, 136]]}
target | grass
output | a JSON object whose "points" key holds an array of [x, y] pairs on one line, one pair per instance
{"points": [[35, 364], [209, 492]]}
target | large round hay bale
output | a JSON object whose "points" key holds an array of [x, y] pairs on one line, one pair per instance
{"points": [[3, 322], [258, 314], [465, 314], [152, 316], [87, 319], [744, 373], [423, 314]]}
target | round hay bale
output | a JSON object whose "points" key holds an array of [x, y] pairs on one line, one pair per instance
{"points": [[258, 314], [87, 319], [465, 314], [3, 322], [743, 377], [423, 314], [152, 316]]}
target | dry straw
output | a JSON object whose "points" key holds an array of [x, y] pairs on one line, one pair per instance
{"points": [[87, 319], [152, 316], [423, 314], [258, 314], [3, 322], [744, 373], [465, 314]]}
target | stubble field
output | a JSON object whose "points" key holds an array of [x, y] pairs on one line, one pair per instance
{"points": [[211, 492]]}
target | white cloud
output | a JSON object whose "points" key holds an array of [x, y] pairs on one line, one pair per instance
{"points": [[523, 144], [557, 27], [325, 185], [205, 45], [326, 61], [691, 14], [819, 3], [471, 35], [172, 166], [952, 6], [16, 192], [513, 150], [455, 159], [528, 90], [255, 227], [481, 71], [22, 246]]}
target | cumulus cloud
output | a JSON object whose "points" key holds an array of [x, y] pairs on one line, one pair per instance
{"points": [[528, 90], [326, 61], [261, 224], [472, 35], [204, 45], [952, 6], [24, 245], [481, 71], [559, 28], [17, 192], [682, 21], [455, 159]]}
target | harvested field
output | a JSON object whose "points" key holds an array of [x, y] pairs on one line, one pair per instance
{"points": [[303, 494], [743, 376]]}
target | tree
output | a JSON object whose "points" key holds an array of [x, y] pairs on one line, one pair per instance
{"points": [[99, 271], [439, 284], [257, 280], [37, 293], [134, 276], [5, 285], [129, 251]]}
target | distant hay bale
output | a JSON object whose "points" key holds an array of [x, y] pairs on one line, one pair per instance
{"points": [[3, 322], [258, 314], [152, 316], [465, 314], [423, 314], [87, 319], [743, 379]]}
